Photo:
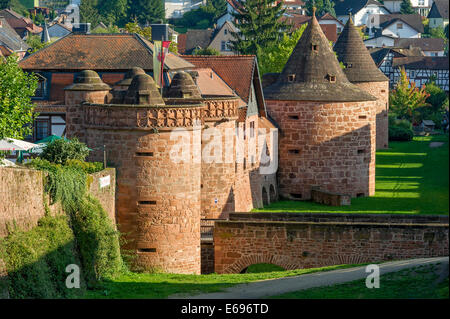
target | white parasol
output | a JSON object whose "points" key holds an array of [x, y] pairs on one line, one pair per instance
{"points": [[10, 144]]}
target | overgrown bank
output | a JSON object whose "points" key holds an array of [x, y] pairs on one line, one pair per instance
{"points": [[82, 234]]}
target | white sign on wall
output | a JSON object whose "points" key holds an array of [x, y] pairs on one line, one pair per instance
{"points": [[105, 181]]}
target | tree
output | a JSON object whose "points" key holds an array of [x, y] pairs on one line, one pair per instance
{"points": [[322, 7], [217, 7], [16, 109], [406, 98], [146, 11], [273, 59], [206, 51], [406, 7], [328, 7], [260, 26], [4, 4], [113, 11], [133, 27], [35, 43], [89, 12]]}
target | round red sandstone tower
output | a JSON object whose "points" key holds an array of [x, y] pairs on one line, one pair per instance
{"points": [[327, 124], [87, 87], [157, 199], [361, 70]]}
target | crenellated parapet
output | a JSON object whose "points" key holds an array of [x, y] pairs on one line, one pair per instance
{"points": [[127, 117], [217, 109]]}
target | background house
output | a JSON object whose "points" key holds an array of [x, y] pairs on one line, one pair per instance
{"points": [[360, 10], [438, 15], [422, 7], [222, 39], [421, 69], [57, 31], [23, 26], [429, 46], [395, 25], [10, 42], [110, 55], [176, 8]]}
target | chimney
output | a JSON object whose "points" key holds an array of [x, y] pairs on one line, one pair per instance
{"points": [[82, 28]]}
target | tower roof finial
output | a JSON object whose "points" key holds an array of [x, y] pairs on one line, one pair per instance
{"points": [[314, 11]]}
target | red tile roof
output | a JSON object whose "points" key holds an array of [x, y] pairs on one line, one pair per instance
{"points": [[117, 52], [236, 70], [182, 43], [330, 31], [297, 20], [211, 84]]}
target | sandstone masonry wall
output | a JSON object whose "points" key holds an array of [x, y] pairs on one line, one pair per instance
{"points": [[306, 244], [22, 197], [381, 91], [330, 146]]}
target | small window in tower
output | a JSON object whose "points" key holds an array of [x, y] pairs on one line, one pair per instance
{"points": [[361, 151], [383, 91], [331, 78], [294, 151], [144, 154], [147, 202], [315, 47], [293, 117], [362, 117], [147, 250], [291, 77]]}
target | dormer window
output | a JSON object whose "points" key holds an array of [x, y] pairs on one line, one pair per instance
{"points": [[315, 47], [291, 77], [331, 78]]}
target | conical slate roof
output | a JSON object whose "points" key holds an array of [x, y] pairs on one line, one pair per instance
{"points": [[313, 73], [359, 65]]}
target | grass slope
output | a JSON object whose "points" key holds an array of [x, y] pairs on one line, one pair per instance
{"points": [[145, 285], [419, 282], [411, 178]]}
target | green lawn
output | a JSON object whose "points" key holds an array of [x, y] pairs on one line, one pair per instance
{"points": [[145, 285], [419, 282], [411, 178]]}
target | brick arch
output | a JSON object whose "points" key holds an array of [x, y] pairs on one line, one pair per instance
{"points": [[265, 196], [272, 193], [242, 263]]}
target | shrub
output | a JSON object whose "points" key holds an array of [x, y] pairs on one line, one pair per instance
{"points": [[36, 260], [87, 167], [95, 233], [399, 133], [59, 151], [98, 241]]}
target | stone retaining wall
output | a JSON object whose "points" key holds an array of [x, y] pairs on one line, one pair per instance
{"points": [[315, 240]]}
